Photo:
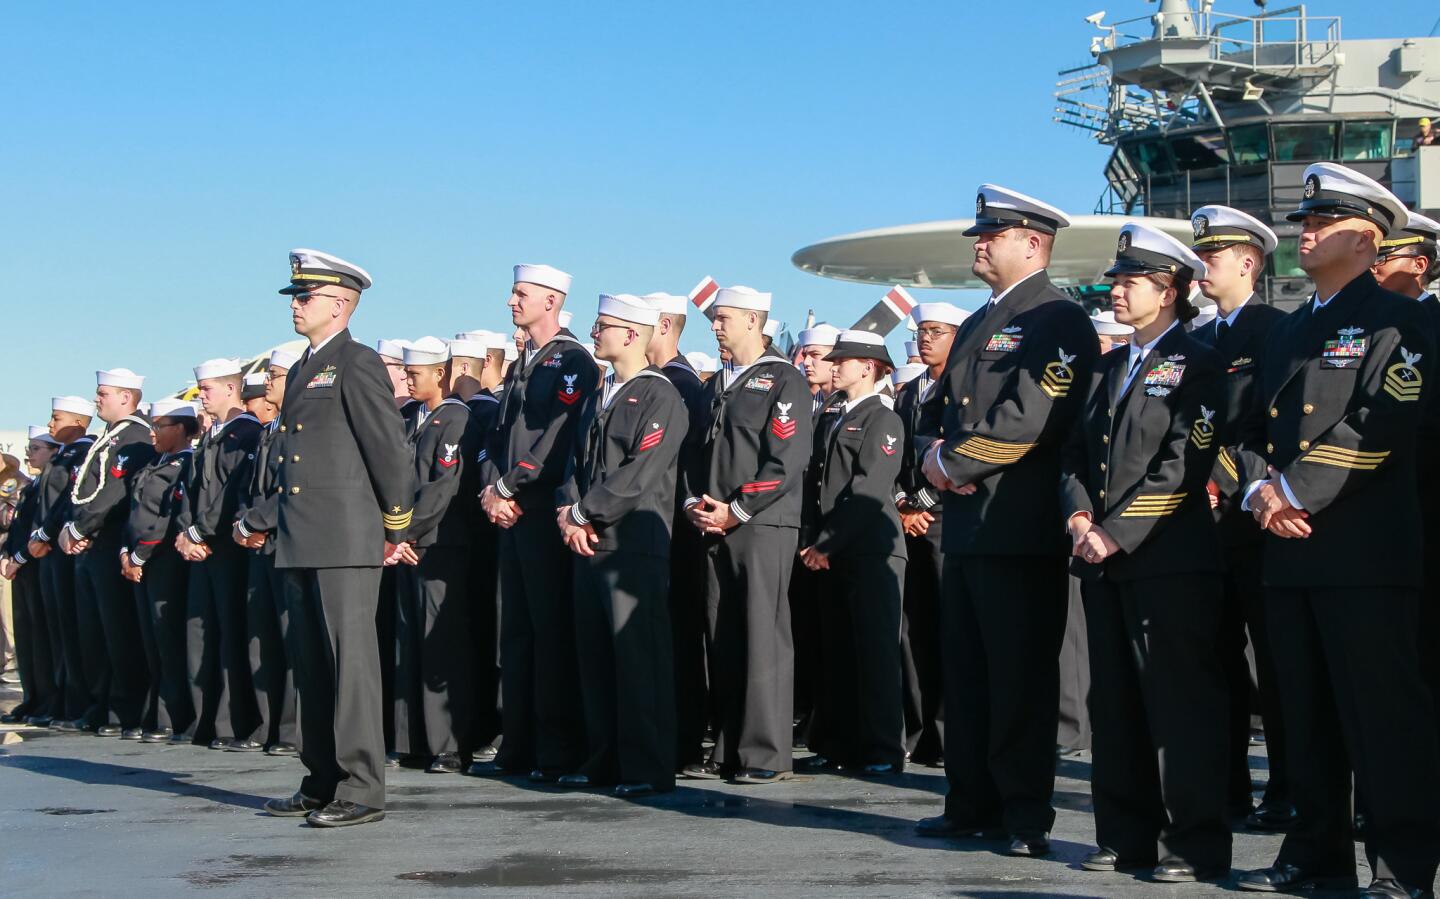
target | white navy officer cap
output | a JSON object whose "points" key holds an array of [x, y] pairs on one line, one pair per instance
{"points": [[860, 345], [283, 359], [73, 404], [391, 347], [998, 208], [702, 362], [944, 313], [1106, 324], [119, 377], [771, 328], [741, 297], [172, 408], [1217, 227], [1143, 250], [427, 351], [1419, 232], [911, 349], [544, 276], [908, 372], [311, 269], [819, 334], [627, 308], [42, 434], [1335, 191], [669, 303], [253, 387], [217, 368]]}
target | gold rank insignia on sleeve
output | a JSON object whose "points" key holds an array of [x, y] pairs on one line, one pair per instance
{"points": [[1402, 380], [1153, 505], [995, 452], [1228, 464], [1058, 377], [1203, 431], [397, 521], [1340, 457]]}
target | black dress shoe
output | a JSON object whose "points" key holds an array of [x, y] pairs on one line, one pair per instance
{"points": [[486, 753], [539, 776], [945, 826], [1029, 845], [245, 746], [286, 750], [1103, 859], [220, 743], [821, 763], [162, 735], [444, 763], [759, 776], [1385, 888], [11, 718], [1183, 872], [39, 720], [489, 769], [881, 769], [182, 738], [702, 771], [632, 790], [1288, 878], [296, 806], [1276, 818], [132, 733], [574, 781], [108, 730], [344, 813]]}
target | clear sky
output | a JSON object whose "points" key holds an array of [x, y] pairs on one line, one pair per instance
{"points": [[159, 159]]}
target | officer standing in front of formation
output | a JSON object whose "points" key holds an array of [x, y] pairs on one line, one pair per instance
{"points": [[266, 616], [345, 488], [477, 367], [687, 545], [219, 661], [40, 663], [149, 560], [743, 493], [1344, 385], [921, 517], [69, 417], [615, 512], [1234, 246], [525, 461], [858, 540], [1133, 493], [1406, 265], [95, 520], [990, 439], [434, 656]]}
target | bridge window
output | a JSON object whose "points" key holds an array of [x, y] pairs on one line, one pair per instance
{"points": [[1304, 142], [1249, 144], [1151, 157], [1365, 140], [1199, 151]]}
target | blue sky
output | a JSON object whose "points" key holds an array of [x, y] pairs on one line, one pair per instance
{"points": [[160, 159]]}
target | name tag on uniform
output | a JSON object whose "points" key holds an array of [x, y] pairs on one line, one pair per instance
{"points": [[1003, 343], [1347, 347], [323, 378]]}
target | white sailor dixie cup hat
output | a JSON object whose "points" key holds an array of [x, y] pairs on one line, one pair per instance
{"points": [[944, 313], [543, 275], [1143, 250], [312, 269], [217, 368], [998, 208], [912, 348], [669, 303], [1106, 324], [283, 359], [119, 377], [253, 387], [1334, 191], [1419, 232], [771, 328], [1217, 227], [391, 347], [741, 297], [818, 334], [627, 308], [860, 345], [172, 408], [42, 433], [73, 404], [427, 351], [908, 372]]}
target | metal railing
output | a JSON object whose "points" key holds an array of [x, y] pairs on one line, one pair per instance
{"points": [[1249, 40]]}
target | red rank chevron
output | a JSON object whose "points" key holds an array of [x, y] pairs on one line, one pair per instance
{"points": [[782, 429], [569, 398], [117, 471], [651, 440], [759, 486], [446, 463], [526, 465]]}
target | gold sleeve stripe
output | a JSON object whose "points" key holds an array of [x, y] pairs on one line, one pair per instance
{"points": [[1228, 464], [398, 522], [1340, 457], [1160, 497], [996, 452]]}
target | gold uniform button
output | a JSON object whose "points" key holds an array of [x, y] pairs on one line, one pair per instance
{"points": [[294, 458], [1274, 413], [299, 426], [282, 427], [294, 490], [1269, 447], [1102, 466], [1307, 408], [964, 400], [1102, 494], [1104, 438], [1304, 445], [279, 489]]}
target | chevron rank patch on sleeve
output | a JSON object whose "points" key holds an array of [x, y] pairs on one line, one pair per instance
{"points": [[1203, 431], [1058, 376], [1402, 380]]}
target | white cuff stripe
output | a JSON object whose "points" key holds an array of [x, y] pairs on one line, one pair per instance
{"points": [[739, 512]]}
